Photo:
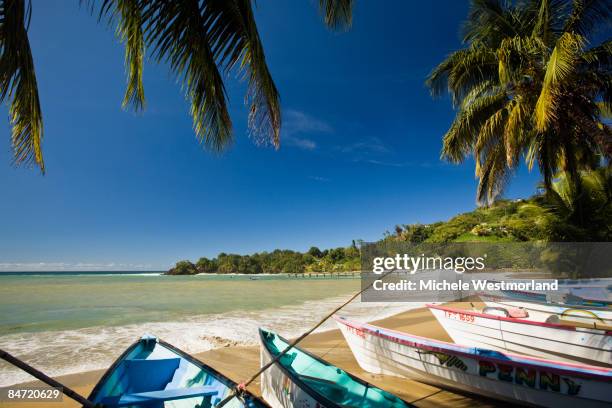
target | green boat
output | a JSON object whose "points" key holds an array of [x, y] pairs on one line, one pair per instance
{"points": [[300, 379]]}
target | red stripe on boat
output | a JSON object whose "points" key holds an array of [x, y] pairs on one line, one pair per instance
{"points": [[515, 320]]}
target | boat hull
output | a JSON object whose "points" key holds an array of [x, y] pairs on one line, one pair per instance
{"points": [[155, 374], [382, 351], [279, 390], [300, 379], [551, 341]]}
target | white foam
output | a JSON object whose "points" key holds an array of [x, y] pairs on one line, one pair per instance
{"points": [[73, 351]]}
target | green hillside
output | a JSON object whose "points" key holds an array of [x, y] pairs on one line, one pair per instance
{"points": [[505, 221]]}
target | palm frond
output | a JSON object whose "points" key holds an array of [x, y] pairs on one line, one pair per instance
{"points": [[461, 71], [549, 18], [515, 55], [460, 139], [515, 130], [490, 135], [493, 175], [589, 16], [561, 65], [237, 42], [600, 57], [18, 84], [337, 14], [201, 41], [127, 15], [176, 32], [489, 21]]}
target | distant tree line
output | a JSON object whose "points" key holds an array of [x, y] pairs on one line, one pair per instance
{"points": [[277, 261]]}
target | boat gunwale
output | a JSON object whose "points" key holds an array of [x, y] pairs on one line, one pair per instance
{"points": [[548, 303], [219, 376], [601, 332], [313, 393], [573, 369]]}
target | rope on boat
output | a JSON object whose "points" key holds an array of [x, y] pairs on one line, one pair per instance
{"points": [[242, 386], [46, 379]]}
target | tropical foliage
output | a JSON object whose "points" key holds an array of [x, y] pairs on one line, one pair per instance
{"points": [[581, 214], [503, 221], [532, 82], [561, 214], [277, 261], [201, 41]]}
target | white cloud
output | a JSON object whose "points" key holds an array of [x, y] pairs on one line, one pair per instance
{"points": [[69, 266], [302, 143], [297, 123], [369, 145]]}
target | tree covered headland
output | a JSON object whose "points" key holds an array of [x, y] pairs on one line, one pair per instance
{"points": [[277, 261]]}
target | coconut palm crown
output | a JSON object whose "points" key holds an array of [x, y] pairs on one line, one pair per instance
{"points": [[533, 81], [200, 41]]}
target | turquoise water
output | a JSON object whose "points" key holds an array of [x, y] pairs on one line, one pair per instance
{"points": [[38, 303], [70, 323]]}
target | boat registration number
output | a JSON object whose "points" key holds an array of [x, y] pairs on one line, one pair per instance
{"points": [[459, 316]]}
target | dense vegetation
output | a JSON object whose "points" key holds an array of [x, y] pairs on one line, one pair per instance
{"points": [[277, 261], [562, 214]]}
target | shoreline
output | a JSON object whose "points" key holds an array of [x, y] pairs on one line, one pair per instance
{"points": [[239, 362]]}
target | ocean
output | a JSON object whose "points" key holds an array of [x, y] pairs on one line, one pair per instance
{"points": [[65, 323]]}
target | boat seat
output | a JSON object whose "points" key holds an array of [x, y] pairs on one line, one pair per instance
{"points": [[156, 398], [518, 313], [513, 312], [288, 359], [149, 375], [327, 387]]}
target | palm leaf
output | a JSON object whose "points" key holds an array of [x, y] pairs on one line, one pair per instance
{"points": [[489, 21], [460, 139], [18, 84], [561, 65], [589, 16], [463, 70], [337, 14], [237, 42], [127, 15], [201, 41]]}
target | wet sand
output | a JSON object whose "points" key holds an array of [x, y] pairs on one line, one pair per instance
{"points": [[240, 362]]}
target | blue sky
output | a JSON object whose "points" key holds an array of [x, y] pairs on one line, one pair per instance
{"points": [[360, 145]]}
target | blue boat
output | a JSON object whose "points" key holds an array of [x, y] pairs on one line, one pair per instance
{"points": [[154, 374]]}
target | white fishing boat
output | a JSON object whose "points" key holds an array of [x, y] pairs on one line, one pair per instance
{"points": [[541, 309], [498, 331], [509, 377]]}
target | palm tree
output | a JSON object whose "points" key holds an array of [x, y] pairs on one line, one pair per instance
{"points": [[530, 82], [583, 214], [201, 40]]}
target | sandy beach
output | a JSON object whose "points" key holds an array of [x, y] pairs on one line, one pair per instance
{"points": [[239, 363]]}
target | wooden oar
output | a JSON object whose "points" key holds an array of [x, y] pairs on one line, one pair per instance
{"points": [[46, 379]]}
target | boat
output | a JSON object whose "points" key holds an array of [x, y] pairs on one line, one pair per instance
{"points": [[510, 330], [541, 308], [154, 374], [504, 376], [300, 379]]}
